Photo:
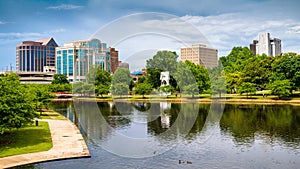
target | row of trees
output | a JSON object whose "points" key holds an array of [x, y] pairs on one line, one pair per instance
{"points": [[246, 73], [239, 72], [186, 77]]}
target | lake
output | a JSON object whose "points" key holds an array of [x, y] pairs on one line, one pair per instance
{"points": [[183, 135]]}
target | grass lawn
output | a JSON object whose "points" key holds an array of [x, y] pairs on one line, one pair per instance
{"points": [[26, 140], [51, 115]]}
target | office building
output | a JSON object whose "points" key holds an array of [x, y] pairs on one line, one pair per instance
{"points": [[33, 56], [266, 45], [114, 60], [201, 55], [74, 59]]}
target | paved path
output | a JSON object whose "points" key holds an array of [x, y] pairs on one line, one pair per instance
{"points": [[67, 143]]}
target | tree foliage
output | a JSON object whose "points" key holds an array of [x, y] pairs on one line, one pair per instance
{"points": [[17, 106], [280, 88], [97, 76], [120, 82], [201, 76], [122, 75], [143, 88], [101, 89], [237, 59], [161, 61], [218, 81], [287, 67], [248, 88], [120, 89], [191, 89], [60, 79]]}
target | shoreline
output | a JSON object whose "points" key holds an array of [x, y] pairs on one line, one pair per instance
{"points": [[185, 100], [67, 141]]}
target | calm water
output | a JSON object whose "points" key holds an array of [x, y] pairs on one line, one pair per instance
{"points": [[158, 135]]}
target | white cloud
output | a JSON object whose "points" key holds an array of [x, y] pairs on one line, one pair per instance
{"points": [[237, 29], [133, 34], [18, 37], [65, 7], [56, 31]]}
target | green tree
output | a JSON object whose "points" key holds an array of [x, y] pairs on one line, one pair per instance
{"points": [[17, 106], [218, 81], [280, 88], [102, 89], [97, 75], [60, 87], [153, 77], [184, 75], [201, 76], [42, 95], [60, 79], [237, 59], [233, 81], [120, 89], [287, 67], [103, 77], [88, 89], [161, 61], [166, 89], [122, 75], [259, 71], [120, 82], [78, 88], [143, 88], [248, 88], [191, 89]]}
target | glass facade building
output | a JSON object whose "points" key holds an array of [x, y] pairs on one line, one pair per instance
{"points": [[34, 56], [74, 59]]}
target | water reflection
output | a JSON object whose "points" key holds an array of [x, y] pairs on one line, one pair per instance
{"points": [[247, 136], [272, 123], [242, 122]]}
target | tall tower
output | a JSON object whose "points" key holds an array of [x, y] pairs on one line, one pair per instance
{"points": [[264, 45]]}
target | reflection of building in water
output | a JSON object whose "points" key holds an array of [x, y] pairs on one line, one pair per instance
{"points": [[164, 117], [111, 105], [164, 106], [165, 120]]}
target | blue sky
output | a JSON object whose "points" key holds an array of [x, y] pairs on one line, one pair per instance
{"points": [[224, 24]]}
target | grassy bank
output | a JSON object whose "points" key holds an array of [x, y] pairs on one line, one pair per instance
{"points": [[51, 115], [228, 98], [26, 140]]}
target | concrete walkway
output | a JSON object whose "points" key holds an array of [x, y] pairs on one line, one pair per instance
{"points": [[67, 143]]}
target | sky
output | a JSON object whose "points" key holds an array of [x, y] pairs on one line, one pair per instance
{"points": [[221, 24]]}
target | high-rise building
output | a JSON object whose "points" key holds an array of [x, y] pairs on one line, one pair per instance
{"points": [[201, 55], [34, 56], [114, 60], [266, 45], [74, 59]]}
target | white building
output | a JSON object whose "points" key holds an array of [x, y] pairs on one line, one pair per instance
{"points": [[266, 45]]}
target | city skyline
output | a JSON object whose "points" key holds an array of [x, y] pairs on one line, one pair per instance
{"points": [[235, 23]]}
